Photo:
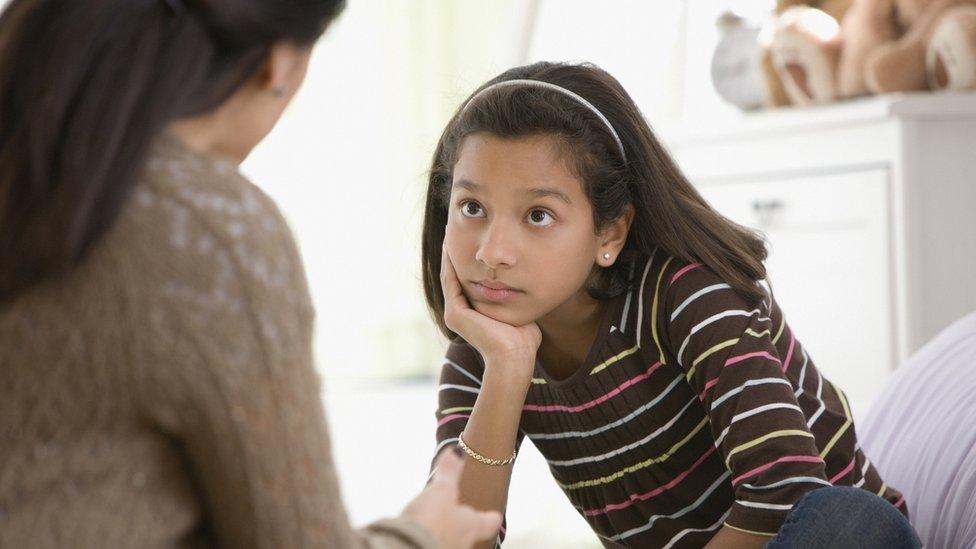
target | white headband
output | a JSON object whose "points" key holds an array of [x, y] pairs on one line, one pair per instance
{"points": [[555, 88]]}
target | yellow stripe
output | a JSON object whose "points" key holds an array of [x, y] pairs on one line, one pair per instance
{"points": [[782, 324], [844, 427], [654, 311], [600, 367], [883, 487], [720, 346], [458, 409], [708, 353], [636, 467], [764, 438], [613, 359], [767, 534]]}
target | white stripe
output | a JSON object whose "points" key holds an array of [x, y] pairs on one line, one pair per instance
{"points": [[583, 434], [437, 451], [464, 388], [682, 533], [754, 411], [685, 511], [803, 374], [773, 506], [709, 320], [750, 383], [444, 443], [623, 317], [696, 295], [791, 480], [823, 406], [864, 468], [640, 298], [463, 371], [630, 446], [769, 293]]}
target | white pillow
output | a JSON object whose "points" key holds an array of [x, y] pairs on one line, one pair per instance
{"points": [[921, 435]]}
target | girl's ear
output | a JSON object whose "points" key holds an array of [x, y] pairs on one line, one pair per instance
{"points": [[613, 236]]}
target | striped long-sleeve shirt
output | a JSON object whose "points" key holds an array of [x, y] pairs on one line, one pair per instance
{"points": [[694, 409]]}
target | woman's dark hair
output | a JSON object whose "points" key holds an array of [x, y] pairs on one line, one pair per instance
{"points": [[669, 213], [86, 87]]}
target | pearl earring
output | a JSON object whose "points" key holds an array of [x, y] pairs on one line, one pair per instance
{"points": [[606, 255]]}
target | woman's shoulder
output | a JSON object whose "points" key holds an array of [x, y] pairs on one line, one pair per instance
{"points": [[198, 232], [208, 194]]}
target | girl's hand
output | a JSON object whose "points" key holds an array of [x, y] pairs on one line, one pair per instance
{"points": [[454, 525], [496, 341]]}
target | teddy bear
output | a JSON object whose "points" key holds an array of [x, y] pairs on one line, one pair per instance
{"points": [[880, 46], [775, 76]]}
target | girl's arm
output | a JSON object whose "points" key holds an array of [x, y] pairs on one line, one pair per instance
{"points": [[482, 401], [491, 430], [727, 348]]}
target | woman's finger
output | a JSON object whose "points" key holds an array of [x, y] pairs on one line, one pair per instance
{"points": [[448, 467], [486, 524]]}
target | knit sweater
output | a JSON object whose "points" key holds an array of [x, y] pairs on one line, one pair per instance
{"points": [[162, 393], [693, 410]]}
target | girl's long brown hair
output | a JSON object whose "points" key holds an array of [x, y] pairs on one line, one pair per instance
{"points": [[669, 213]]}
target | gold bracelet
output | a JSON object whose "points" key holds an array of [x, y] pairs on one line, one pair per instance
{"points": [[487, 461]]}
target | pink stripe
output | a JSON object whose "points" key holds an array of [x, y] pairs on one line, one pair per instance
{"points": [[789, 353], [747, 356], [634, 498], [841, 474], [734, 360], [711, 383], [784, 459], [900, 502], [679, 274], [451, 418], [592, 403]]}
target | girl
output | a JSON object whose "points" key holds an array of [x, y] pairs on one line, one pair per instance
{"points": [[157, 386], [598, 306]]}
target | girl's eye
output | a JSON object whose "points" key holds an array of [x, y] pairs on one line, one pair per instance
{"points": [[471, 209], [540, 218]]}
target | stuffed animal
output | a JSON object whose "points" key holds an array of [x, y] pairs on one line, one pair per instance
{"points": [[776, 71], [881, 46]]}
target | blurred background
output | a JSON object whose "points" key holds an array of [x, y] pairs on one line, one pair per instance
{"points": [[865, 203]]}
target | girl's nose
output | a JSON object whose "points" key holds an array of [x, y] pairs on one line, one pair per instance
{"points": [[497, 249]]}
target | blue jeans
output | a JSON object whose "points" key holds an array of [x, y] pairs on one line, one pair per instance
{"points": [[839, 517]]}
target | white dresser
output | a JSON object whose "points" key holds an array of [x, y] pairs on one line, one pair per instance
{"points": [[869, 208]]}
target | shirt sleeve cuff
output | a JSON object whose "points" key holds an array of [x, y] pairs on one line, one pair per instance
{"points": [[399, 533]]}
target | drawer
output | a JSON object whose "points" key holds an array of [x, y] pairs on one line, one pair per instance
{"points": [[830, 267]]}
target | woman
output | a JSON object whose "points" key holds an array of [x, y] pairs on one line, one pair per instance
{"points": [[155, 325]]}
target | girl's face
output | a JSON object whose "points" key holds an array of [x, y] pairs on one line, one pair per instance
{"points": [[520, 229]]}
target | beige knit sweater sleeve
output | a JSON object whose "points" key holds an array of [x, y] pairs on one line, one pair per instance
{"points": [[228, 371]]}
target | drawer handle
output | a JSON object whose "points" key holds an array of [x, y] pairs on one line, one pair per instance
{"points": [[765, 210]]}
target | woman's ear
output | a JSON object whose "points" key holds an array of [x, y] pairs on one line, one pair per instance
{"points": [[284, 69], [613, 236]]}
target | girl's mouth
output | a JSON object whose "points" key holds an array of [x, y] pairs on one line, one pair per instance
{"points": [[496, 291]]}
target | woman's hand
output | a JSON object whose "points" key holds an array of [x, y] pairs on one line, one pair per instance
{"points": [[438, 510], [496, 341]]}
